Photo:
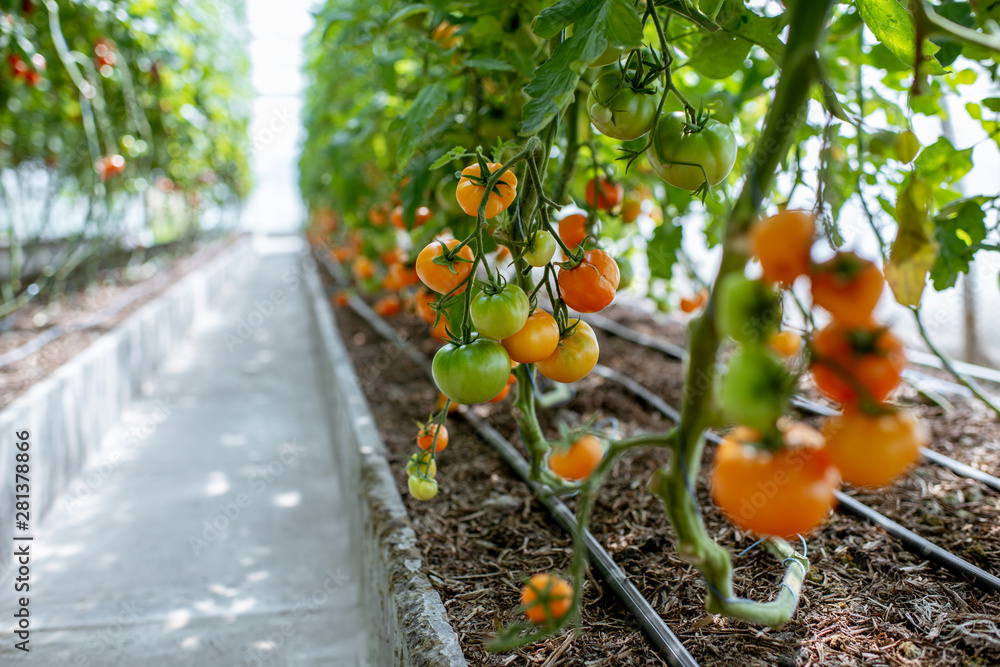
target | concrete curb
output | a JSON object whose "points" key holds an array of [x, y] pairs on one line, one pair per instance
{"points": [[68, 413], [407, 622]]}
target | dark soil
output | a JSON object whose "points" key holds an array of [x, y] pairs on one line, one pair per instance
{"points": [[866, 602]]}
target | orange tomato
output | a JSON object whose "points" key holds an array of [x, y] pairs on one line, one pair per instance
{"points": [[592, 284], [503, 392], [575, 356], [341, 299], [579, 460], [422, 215], [536, 340], [398, 276], [439, 331], [471, 190], [376, 215], [573, 230], [425, 438], [442, 399], [423, 302], [363, 268], [631, 207], [848, 357], [848, 287], [691, 304], [439, 277], [388, 306], [608, 194], [444, 34], [873, 450], [547, 598], [782, 244], [781, 493], [396, 217], [785, 343], [394, 256]]}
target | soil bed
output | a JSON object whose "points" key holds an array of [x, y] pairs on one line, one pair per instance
{"points": [[866, 601]]}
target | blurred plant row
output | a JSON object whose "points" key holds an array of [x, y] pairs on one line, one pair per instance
{"points": [[121, 124]]}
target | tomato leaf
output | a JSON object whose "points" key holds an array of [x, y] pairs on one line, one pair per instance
{"points": [[455, 153], [915, 249], [893, 25], [600, 23], [662, 250], [489, 64], [717, 55], [959, 228], [428, 100]]}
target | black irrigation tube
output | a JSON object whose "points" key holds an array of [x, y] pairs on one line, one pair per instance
{"points": [[804, 404], [913, 542], [661, 636]]}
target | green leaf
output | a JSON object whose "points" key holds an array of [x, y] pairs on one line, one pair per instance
{"points": [[557, 17], [408, 11], [958, 229], [941, 163], [428, 100], [662, 250], [893, 25], [455, 153], [914, 251], [717, 55], [491, 64], [760, 30], [992, 103], [554, 83]]}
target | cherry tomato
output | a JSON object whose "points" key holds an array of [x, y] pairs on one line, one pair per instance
{"points": [[472, 373], [782, 493], [591, 285], [388, 306], [546, 599], [443, 278], [536, 340], [577, 461], [848, 357], [422, 489], [873, 450], [691, 304], [785, 344], [575, 356], [541, 248], [755, 388], [471, 190], [782, 244], [502, 314], [714, 148], [608, 194], [425, 438], [620, 111], [848, 287]]}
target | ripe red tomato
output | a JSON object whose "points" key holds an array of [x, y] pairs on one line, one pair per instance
{"points": [[782, 243], [608, 194], [546, 599], [472, 189], [691, 304], [780, 493], [873, 450], [573, 230], [575, 356], [577, 461], [848, 357], [427, 434], [848, 287], [591, 285], [536, 340], [439, 277]]}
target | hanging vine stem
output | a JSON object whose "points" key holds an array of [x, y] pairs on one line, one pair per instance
{"points": [[698, 410]]}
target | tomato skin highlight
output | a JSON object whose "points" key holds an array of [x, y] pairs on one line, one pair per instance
{"points": [[426, 437], [536, 340], [575, 356], [500, 315], [848, 287], [541, 248], [472, 373], [873, 450], [438, 277], [579, 460], [782, 243], [869, 353], [591, 285], [546, 596], [783, 493], [470, 194], [714, 148]]}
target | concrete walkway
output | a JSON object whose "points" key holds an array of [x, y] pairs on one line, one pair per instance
{"points": [[209, 529]]}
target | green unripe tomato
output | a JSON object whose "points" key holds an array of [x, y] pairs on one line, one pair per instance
{"points": [[421, 465], [618, 110], [748, 311], [422, 489], [500, 315], [472, 373], [755, 389], [881, 143], [610, 55], [444, 193], [714, 148], [625, 273], [905, 147], [541, 248]]}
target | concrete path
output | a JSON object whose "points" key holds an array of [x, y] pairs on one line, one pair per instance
{"points": [[209, 529]]}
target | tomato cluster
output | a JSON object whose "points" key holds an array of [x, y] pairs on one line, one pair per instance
{"points": [[775, 477]]}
